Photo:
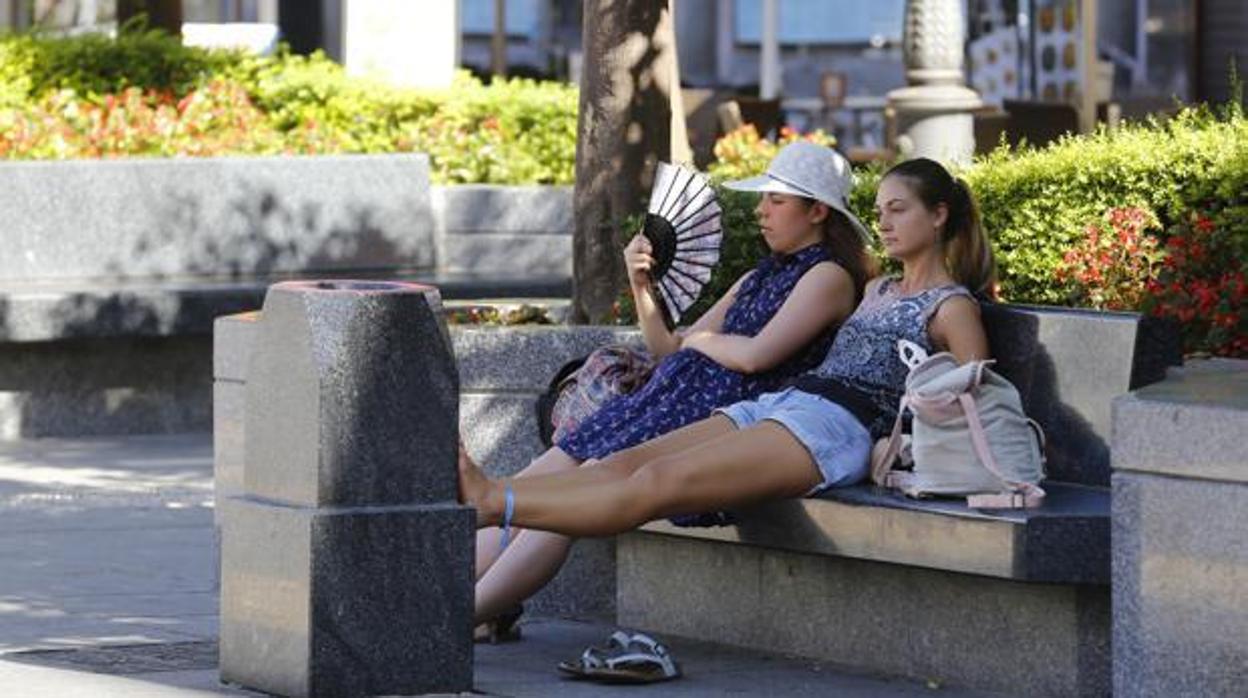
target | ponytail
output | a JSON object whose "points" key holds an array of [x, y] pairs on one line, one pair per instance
{"points": [[968, 255]]}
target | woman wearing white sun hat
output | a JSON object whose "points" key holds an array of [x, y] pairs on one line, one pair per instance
{"points": [[773, 324]]}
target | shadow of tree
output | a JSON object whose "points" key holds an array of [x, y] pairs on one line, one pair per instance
{"points": [[131, 352]]}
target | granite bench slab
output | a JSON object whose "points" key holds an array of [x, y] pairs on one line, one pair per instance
{"points": [[1065, 541], [49, 311]]}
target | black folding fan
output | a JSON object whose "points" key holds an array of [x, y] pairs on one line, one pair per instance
{"points": [[683, 227]]}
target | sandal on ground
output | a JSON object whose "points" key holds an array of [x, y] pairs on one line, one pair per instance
{"points": [[503, 628], [636, 658]]}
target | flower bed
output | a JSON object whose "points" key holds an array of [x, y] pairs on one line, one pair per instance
{"points": [[144, 94]]}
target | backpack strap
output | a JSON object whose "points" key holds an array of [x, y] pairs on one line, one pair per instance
{"points": [[882, 458], [1021, 495]]}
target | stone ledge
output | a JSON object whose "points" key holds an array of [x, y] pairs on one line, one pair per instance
{"points": [[475, 208], [40, 312], [1066, 541], [1189, 425]]}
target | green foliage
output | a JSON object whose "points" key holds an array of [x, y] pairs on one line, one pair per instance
{"points": [[1036, 203], [94, 96], [32, 65]]}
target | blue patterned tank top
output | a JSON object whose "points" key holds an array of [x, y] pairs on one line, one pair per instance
{"points": [[864, 356]]}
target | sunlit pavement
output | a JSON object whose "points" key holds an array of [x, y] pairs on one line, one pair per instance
{"points": [[108, 587]]}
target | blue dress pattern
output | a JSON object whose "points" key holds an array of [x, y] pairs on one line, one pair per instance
{"points": [[687, 385]]}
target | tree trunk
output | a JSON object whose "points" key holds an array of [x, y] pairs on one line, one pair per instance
{"points": [[624, 130], [161, 14]]}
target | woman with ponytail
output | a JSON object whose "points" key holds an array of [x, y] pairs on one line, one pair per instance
{"points": [[815, 434]]}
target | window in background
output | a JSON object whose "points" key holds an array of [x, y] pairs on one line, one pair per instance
{"points": [[824, 21], [476, 17]]}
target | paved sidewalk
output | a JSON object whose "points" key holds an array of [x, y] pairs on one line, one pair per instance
{"points": [[108, 587]]}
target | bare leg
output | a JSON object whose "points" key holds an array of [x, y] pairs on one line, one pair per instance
{"points": [[552, 461], [729, 470], [534, 557]]}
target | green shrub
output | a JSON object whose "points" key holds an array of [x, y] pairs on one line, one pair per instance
{"points": [[93, 96], [1036, 203], [32, 65]]}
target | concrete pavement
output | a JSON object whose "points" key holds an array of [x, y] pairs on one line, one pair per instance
{"points": [[108, 587]]}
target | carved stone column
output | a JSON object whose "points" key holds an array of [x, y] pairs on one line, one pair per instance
{"points": [[934, 112]]}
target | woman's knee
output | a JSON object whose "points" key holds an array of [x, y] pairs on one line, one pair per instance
{"points": [[623, 463], [554, 460], [652, 488]]}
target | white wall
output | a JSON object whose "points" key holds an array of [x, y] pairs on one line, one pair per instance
{"points": [[407, 43]]}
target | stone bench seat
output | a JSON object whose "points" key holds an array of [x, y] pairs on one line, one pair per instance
{"points": [[1066, 540], [58, 310]]}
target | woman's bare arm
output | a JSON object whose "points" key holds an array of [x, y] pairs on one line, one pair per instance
{"points": [[958, 328], [822, 297]]}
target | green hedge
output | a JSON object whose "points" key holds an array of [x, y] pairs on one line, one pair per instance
{"points": [[1189, 175], [93, 96], [1037, 203]]}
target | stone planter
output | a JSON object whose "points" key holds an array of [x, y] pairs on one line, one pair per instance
{"points": [[1180, 510]]}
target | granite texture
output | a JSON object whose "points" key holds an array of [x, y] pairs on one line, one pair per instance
{"points": [[958, 629], [229, 402], [232, 336], [47, 312], [502, 370], [134, 385], [1067, 541], [525, 358], [356, 388], [50, 311], [478, 208], [239, 215], [486, 253], [1190, 425], [500, 430], [1068, 366], [346, 601], [1180, 586]]}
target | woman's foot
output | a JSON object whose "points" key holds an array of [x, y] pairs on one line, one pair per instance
{"points": [[477, 491], [504, 628]]}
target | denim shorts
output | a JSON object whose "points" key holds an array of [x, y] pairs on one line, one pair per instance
{"points": [[839, 444]]}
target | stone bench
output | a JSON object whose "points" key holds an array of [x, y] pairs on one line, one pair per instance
{"points": [[999, 600], [117, 269], [1013, 601]]}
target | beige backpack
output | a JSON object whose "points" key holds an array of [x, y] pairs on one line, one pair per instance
{"points": [[969, 436]]}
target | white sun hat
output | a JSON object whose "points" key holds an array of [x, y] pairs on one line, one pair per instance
{"points": [[802, 168]]}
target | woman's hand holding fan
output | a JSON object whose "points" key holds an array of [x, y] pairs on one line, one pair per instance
{"points": [[683, 229]]}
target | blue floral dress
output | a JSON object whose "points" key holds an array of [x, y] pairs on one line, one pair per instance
{"points": [[687, 385]]}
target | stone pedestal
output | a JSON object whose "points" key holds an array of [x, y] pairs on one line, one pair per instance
{"points": [[346, 561], [934, 113], [1180, 555]]}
